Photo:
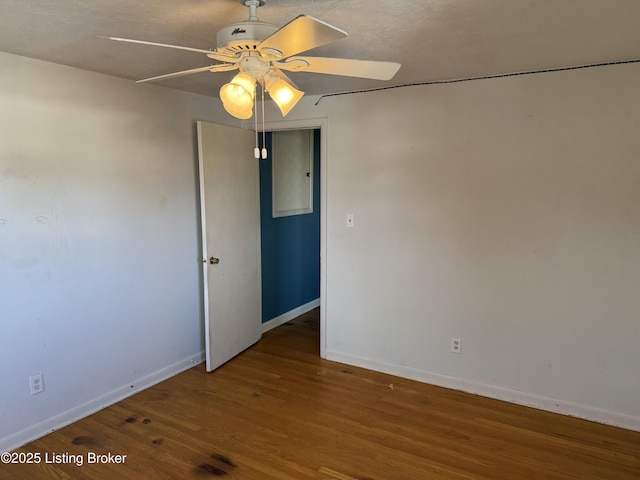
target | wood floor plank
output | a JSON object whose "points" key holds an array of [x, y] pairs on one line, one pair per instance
{"points": [[278, 411]]}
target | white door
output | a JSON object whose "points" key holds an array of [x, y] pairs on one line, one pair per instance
{"points": [[230, 206]]}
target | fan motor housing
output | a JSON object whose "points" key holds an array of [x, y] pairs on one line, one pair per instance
{"points": [[243, 37]]}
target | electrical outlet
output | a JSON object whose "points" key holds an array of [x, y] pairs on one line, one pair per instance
{"points": [[456, 345], [35, 382]]}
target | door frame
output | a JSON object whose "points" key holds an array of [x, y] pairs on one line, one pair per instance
{"points": [[322, 125]]}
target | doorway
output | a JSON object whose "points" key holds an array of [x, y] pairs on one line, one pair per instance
{"points": [[284, 238], [290, 239]]}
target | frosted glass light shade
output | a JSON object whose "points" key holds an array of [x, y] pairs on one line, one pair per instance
{"points": [[237, 96], [283, 94]]}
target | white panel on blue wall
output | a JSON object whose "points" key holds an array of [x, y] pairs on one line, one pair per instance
{"points": [[292, 172]]}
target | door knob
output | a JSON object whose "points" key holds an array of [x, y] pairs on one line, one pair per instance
{"points": [[214, 260]]}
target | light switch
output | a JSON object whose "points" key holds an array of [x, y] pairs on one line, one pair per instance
{"points": [[350, 220]]}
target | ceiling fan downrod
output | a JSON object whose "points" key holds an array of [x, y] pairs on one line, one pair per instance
{"points": [[253, 8]]}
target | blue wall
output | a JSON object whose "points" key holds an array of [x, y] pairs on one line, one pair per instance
{"points": [[290, 246]]}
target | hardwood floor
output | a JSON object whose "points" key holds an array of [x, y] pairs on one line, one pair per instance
{"points": [[280, 412]]}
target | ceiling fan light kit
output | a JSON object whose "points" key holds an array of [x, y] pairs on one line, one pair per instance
{"points": [[261, 52]]}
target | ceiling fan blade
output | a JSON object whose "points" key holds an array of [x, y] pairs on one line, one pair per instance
{"points": [[341, 66], [166, 45], [221, 67], [223, 57], [299, 35]]}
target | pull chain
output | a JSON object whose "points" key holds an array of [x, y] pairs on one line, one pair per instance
{"points": [[256, 151], [264, 145]]}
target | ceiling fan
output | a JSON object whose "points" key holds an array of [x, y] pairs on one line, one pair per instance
{"points": [[261, 51]]}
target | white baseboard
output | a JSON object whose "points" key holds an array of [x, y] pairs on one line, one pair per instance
{"points": [[290, 315], [52, 424], [571, 409]]}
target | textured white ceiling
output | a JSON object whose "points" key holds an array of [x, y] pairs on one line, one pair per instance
{"points": [[432, 39]]}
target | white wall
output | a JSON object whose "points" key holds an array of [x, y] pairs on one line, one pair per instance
{"points": [[99, 271], [505, 212]]}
